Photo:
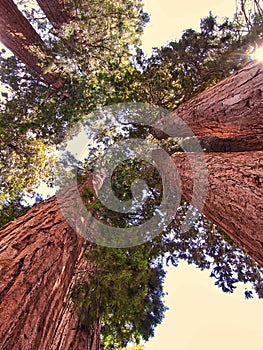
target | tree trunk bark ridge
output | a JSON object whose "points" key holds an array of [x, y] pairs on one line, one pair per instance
{"points": [[234, 200], [39, 254], [230, 109]]}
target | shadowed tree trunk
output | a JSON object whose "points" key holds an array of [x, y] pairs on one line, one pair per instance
{"points": [[17, 34], [56, 12], [235, 194], [61, 12], [39, 254], [228, 116]]}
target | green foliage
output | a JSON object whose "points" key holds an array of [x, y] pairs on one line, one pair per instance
{"points": [[89, 199], [124, 290], [24, 162], [247, 13], [122, 179], [207, 247], [91, 58], [185, 67], [101, 34], [91, 52], [11, 210]]}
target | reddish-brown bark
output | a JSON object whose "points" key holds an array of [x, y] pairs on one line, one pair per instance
{"points": [[17, 34], [232, 109], [235, 194], [56, 12], [39, 254]]}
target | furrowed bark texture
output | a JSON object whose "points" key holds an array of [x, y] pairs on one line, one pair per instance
{"points": [[17, 34], [231, 109], [39, 254], [235, 194]]}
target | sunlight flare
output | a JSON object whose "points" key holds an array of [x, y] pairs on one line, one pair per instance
{"points": [[258, 54]]}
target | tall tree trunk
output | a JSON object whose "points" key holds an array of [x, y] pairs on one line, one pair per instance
{"points": [[61, 12], [39, 254], [56, 12], [228, 114], [235, 191], [17, 34]]}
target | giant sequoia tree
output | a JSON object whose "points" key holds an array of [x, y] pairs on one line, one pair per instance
{"points": [[41, 256]]}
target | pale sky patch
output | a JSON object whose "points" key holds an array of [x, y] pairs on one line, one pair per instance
{"points": [[170, 17]]}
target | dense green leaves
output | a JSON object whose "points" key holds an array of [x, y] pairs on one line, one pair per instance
{"points": [[124, 290], [199, 59], [24, 162], [91, 51]]}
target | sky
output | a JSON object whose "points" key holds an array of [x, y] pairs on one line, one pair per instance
{"points": [[200, 315], [170, 17]]}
